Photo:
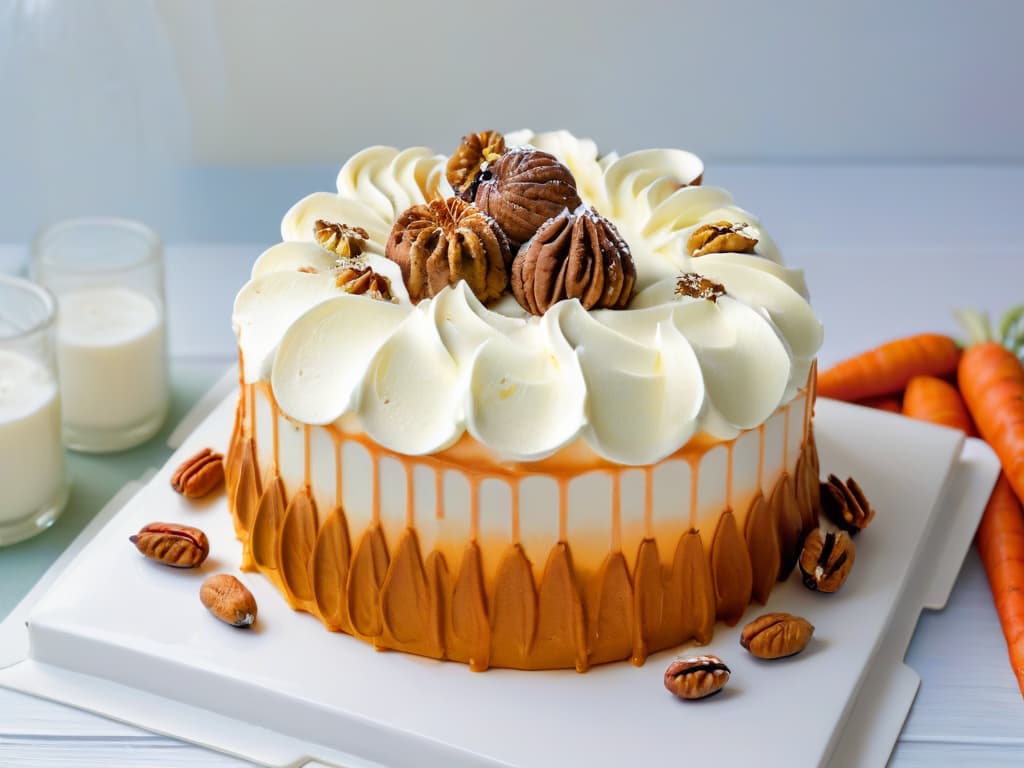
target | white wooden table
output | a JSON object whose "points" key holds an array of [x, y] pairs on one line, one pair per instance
{"points": [[887, 251]]}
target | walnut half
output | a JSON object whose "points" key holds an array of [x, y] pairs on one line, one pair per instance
{"points": [[436, 244], [475, 151]]}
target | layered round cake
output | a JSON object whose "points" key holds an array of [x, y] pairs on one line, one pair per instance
{"points": [[525, 406]]}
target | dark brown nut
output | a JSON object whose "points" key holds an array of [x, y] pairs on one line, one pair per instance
{"points": [[826, 559], [358, 278], [846, 505], [465, 164], [199, 475], [341, 239], [776, 635], [699, 287], [441, 242], [180, 546], [524, 188], [697, 677], [721, 237], [229, 600], [574, 256]]}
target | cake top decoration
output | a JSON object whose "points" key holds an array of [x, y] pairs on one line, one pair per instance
{"points": [[529, 354]]}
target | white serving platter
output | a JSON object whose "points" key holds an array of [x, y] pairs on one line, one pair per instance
{"points": [[110, 632]]}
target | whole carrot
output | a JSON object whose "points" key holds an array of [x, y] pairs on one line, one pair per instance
{"points": [[1000, 543], [886, 369], [991, 380], [936, 400]]}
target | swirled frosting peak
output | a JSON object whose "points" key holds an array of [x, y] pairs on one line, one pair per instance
{"points": [[634, 384]]}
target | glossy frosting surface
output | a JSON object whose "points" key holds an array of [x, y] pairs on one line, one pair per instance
{"points": [[635, 385]]}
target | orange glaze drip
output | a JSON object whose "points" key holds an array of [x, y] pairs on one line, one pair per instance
{"points": [[276, 441], [251, 389], [410, 518], [337, 471], [648, 502], [616, 511], [307, 469], [474, 508], [728, 473], [375, 461], [563, 509], [439, 494], [760, 457], [785, 438], [513, 488], [694, 468]]}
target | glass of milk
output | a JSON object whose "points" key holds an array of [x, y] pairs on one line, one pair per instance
{"points": [[108, 277], [33, 477]]}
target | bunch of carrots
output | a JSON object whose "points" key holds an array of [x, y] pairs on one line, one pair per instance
{"points": [[979, 390]]}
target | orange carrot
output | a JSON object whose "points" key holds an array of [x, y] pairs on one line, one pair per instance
{"points": [[1000, 542], [936, 400], [886, 369], [991, 380], [890, 403]]}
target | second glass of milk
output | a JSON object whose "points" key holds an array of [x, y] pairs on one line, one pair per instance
{"points": [[108, 277]]}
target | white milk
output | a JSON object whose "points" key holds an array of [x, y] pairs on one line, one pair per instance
{"points": [[110, 353], [31, 453]]}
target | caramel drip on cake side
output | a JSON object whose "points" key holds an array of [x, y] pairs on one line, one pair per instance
{"points": [[648, 502], [616, 511], [474, 508], [760, 456], [785, 437], [439, 494], [275, 421], [410, 500], [514, 487], [694, 489], [338, 479], [563, 509], [307, 459], [729, 448]]}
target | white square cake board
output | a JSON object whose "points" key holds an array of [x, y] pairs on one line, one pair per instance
{"points": [[112, 633]]}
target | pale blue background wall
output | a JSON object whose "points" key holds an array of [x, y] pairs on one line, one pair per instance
{"points": [[206, 117]]}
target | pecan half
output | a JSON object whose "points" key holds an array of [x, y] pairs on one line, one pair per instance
{"points": [[229, 600], [524, 188], [359, 278], [574, 256], [199, 475], [826, 559], [180, 546], [846, 505], [699, 287], [776, 635], [697, 677], [722, 237], [466, 162], [341, 239], [441, 242]]}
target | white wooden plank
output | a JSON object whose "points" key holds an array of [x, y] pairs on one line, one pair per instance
{"points": [[968, 692]]}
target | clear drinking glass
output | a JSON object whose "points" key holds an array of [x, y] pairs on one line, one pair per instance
{"points": [[33, 476], [108, 277]]}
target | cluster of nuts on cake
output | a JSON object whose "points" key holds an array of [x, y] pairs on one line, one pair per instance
{"points": [[516, 221], [825, 562]]}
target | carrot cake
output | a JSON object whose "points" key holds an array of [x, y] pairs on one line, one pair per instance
{"points": [[526, 406]]}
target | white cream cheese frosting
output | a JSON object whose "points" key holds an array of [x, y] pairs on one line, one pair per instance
{"points": [[635, 384]]}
